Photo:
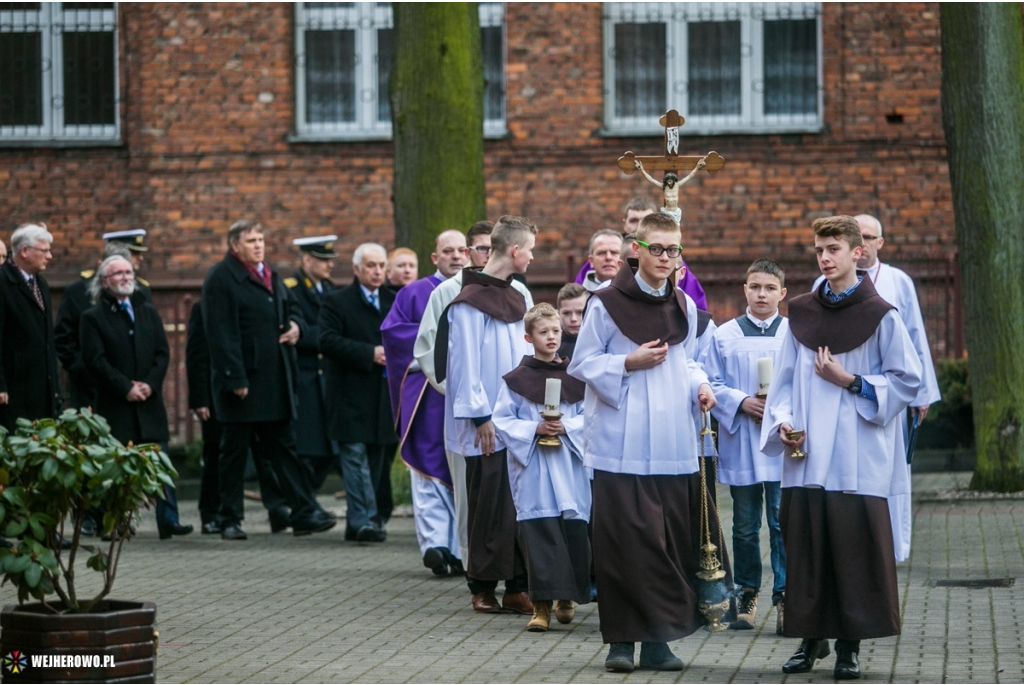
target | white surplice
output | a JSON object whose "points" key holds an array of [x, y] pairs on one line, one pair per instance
{"points": [[731, 365], [423, 352], [435, 517], [481, 350], [851, 440], [896, 287], [638, 422], [546, 481]]}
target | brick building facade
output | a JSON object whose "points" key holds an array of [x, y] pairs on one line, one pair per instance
{"points": [[207, 132]]}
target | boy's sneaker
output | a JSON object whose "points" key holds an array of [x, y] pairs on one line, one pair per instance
{"points": [[780, 608], [746, 610]]}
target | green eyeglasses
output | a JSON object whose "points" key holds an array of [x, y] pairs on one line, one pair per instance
{"points": [[658, 250]]}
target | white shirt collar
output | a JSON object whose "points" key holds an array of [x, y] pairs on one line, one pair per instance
{"points": [[259, 268], [27, 276], [660, 292], [440, 276], [764, 325], [873, 270], [367, 292]]}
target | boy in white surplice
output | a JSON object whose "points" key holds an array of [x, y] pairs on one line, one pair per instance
{"points": [[550, 485], [732, 362]]}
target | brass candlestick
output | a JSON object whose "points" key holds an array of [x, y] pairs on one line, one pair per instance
{"points": [[796, 435], [550, 414]]}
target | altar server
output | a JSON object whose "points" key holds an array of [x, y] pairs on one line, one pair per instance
{"points": [[739, 364], [897, 288], [479, 340], [634, 352], [846, 373], [550, 486]]}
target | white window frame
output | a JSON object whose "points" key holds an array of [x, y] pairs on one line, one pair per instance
{"points": [[752, 119], [365, 18], [53, 129]]}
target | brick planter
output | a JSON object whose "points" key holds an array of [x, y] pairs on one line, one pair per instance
{"points": [[115, 644]]}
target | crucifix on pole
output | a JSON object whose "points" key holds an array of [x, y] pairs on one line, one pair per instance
{"points": [[671, 163]]}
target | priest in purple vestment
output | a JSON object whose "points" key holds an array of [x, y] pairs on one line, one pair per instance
{"points": [[419, 412]]}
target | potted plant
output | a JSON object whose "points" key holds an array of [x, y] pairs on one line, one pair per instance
{"points": [[53, 471]]}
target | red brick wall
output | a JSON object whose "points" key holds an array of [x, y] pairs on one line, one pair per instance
{"points": [[201, 150]]}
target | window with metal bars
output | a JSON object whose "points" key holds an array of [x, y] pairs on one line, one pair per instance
{"points": [[344, 52], [58, 72], [727, 67]]}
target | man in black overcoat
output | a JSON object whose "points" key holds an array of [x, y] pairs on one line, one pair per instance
{"points": [[29, 384], [310, 285], [125, 349], [197, 369], [358, 405], [81, 390], [252, 324]]}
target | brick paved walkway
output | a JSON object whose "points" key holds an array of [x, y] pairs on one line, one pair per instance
{"points": [[318, 609]]}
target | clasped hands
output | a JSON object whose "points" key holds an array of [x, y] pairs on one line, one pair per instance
{"points": [[140, 392]]}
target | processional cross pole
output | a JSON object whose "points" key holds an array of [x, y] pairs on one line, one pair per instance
{"points": [[671, 163]]}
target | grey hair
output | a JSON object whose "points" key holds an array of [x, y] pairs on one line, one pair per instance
{"points": [[603, 232], [116, 249], [95, 285], [29, 234], [242, 226], [869, 219], [357, 256]]}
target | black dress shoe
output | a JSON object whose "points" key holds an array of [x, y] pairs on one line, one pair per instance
{"points": [[436, 559], [658, 657], [280, 519], [847, 665], [174, 529], [211, 528], [89, 527], [351, 534], [317, 522], [370, 533], [620, 657], [808, 652], [233, 531], [455, 567]]}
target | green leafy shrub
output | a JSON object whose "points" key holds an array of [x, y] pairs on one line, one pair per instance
{"points": [[52, 471], [950, 423]]}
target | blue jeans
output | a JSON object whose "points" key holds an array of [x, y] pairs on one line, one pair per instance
{"points": [[746, 536], [355, 469]]}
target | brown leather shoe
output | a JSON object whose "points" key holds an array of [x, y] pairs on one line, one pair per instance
{"points": [[517, 602], [486, 603]]}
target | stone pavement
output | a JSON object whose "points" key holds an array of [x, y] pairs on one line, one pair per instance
{"points": [[317, 609]]}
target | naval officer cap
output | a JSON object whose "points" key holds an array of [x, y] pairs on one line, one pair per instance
{"points": [[132, 239], [321, 247]]}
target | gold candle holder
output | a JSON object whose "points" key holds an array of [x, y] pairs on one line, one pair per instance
{"points": [[796, 435], [550, 414]]}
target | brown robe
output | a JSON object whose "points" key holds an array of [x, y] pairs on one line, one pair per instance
{"points": [[494, 551], [840, 569]]}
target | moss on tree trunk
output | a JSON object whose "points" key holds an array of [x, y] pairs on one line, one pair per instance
{"points": [[983, 117], [437, 110]]}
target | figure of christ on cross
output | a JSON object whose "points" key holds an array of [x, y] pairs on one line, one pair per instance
{"points": [[671, 163]]}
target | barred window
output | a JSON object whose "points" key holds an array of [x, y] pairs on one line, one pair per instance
{"points": [[344, 52], [58, 72], [727, 67]]}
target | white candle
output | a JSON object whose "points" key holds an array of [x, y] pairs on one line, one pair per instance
{"points": [[552, 392], [764, 374]]}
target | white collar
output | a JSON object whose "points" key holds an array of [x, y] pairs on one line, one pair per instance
{"points": [[25, 275], [366, 291], [440, 276], [660, 292], [764, 325], [873, 270]]}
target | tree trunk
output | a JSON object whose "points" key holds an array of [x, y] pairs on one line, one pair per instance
{"points": [[437, 113], [983, 117]]}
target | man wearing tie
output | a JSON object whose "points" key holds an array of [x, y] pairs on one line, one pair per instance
{"points": [[358, 405], [29, 386]]}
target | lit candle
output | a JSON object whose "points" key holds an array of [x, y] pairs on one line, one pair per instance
{"points": [[552, 393], [764, 374]]}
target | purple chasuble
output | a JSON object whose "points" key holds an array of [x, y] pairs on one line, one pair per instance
{"points": [[418, 407], [690, 285]]}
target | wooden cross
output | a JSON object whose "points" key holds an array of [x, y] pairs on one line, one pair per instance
{"points": [[671, 162]]}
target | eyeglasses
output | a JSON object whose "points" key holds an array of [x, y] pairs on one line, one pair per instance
{"points": [[120, 274], [658, 250], [482, 249], [44, 250]]}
